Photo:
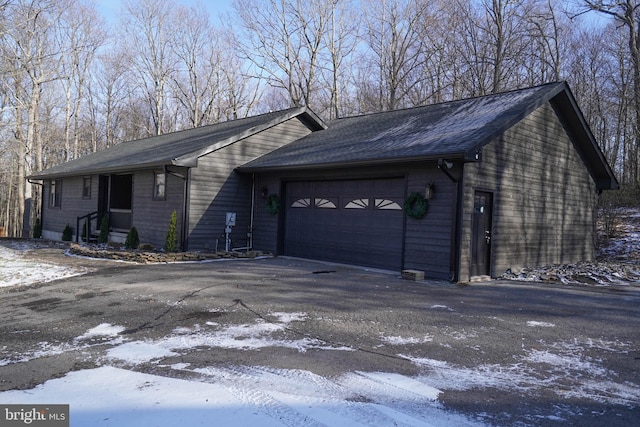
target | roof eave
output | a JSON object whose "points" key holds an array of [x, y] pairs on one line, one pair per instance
{"points": [[360, 163], [106, 171], [583, 139]]}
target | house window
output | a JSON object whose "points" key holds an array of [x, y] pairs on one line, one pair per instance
{"points": [[55, 193], [86, 187], [159, 185]]}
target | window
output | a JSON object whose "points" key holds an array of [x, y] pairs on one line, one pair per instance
{"points": [[86, 187], [159, 185], [55, 193]]}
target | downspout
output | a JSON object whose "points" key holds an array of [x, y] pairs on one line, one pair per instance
{"points": [[185, 179], [456, 236], [253, 203]]}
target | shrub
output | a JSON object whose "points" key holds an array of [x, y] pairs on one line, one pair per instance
{"points": [[37, 229], [133, 240], [171, 241], [67, 233], [103, 237]]}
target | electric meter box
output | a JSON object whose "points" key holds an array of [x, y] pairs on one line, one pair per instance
{"points": [[231, 219]]}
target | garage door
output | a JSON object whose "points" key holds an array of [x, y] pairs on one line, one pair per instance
{"points": [[356, 221]]}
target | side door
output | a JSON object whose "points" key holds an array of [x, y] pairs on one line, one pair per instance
{"points": [[481, 234]]}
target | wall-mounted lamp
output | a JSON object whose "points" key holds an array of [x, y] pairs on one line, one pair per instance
{"points": [[445, 163], [428, 190], [264, 191]]}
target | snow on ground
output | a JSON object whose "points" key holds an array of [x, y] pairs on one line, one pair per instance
{"points": [[15, 270], [265, 396], [617, 264], [230, 395]]}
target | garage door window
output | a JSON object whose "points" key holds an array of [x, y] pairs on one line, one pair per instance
{"points": [[357, 204], [325, 204], [301, 203], [387, 204]]}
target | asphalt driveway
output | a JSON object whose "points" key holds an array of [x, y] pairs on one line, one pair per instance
{"points": [[504, 352]]}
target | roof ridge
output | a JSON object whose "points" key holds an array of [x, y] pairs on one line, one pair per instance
{"points": [[452, 101]]}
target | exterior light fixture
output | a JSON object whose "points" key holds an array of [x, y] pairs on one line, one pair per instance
{"points": [[428, 190], [264, 191]]}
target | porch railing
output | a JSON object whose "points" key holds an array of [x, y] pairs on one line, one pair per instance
{"points": [[86, 221]]}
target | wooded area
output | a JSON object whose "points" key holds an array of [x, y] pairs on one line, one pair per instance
{"points": [[71, 83]]}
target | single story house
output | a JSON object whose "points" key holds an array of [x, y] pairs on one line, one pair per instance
{"points": [[459, 189]]}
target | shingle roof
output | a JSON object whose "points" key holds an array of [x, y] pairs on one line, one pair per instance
{"points": [[449, 129], [178, 148], [456, 129]]}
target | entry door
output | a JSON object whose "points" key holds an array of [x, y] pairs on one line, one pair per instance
{"points": [[481, 234]]}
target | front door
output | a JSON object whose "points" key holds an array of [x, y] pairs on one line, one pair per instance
{"points": [[481, 234]]}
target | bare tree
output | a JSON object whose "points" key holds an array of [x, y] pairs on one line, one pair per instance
{"points": [[283, 40], [197, 81], [149, 39], [626, 13], [81, 35]]}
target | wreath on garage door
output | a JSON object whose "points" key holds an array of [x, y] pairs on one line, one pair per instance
{"points": [[415, 205], [273, 204]]}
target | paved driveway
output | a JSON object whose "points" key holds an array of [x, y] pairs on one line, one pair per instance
{"points": [[506, 353]]}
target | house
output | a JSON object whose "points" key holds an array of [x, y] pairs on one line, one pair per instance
{"points": [[140, 183], [458, 190]]}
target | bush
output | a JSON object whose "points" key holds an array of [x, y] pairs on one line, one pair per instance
{"points": [[133, 241], [171, 241], [67, 233], [37, 229], [610, 204], [103, 237]]}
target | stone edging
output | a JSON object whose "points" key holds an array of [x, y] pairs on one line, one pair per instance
{"points": [[150, 257]]}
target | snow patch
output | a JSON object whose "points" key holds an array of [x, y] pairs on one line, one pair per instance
{"points": [[16, 271], [534, 323], [406, 340], [139, 352], [103, 330]]}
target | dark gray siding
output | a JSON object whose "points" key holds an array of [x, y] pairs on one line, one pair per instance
{"points": [[151, 217], [215, 188], [543, 197], [54, 220], [426, 241]]}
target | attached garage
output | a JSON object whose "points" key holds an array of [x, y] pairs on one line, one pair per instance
{"points": [[511, 178], [353, 221]]}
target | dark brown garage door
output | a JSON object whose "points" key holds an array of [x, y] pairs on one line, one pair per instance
{"points": [[355, 221]]}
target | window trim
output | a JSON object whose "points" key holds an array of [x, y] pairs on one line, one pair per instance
{"points": [[86, 195], [55, 193], [156, 185]]}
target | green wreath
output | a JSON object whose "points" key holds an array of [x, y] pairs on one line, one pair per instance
{"points": [[273, 204], [415, 205]]}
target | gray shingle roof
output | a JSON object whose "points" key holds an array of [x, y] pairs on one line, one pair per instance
{"points": [[178, 148], [451, 129]]}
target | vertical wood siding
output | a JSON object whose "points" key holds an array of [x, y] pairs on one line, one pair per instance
{"points": [[215, 188], [54, 220], [544, 197], [151, 217]]}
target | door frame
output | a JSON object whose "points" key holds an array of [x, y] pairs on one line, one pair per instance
{"points": [[481, 235]]}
